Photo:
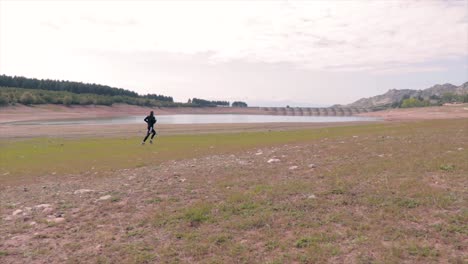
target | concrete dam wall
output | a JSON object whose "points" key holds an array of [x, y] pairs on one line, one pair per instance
{"points": [[313, 111]]}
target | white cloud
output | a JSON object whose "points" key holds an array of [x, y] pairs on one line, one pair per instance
{"points": [[326, 35]]}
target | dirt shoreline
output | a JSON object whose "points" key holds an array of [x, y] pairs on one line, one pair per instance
{"points": [[422, 113]]}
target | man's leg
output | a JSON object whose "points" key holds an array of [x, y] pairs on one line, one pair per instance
{"points": [[147, 135], [153, 132]]}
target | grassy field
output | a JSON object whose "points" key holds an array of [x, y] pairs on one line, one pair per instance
{"points": [[30, 158], [384, 193]]}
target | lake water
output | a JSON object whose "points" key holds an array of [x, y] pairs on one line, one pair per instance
{"points": [[203, 119]]}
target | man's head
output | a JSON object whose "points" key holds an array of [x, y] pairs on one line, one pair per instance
{"points": [[151, 113]]}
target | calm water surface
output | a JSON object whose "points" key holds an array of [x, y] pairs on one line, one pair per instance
{"points": [[202, 119]]}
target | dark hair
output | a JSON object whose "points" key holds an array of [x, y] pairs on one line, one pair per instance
{"points": [[151, 113]]}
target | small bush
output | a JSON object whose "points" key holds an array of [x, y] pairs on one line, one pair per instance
{"points": [[447, 167], [198, 214]]}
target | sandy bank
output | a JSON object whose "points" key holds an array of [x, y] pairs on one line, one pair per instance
{"points": [[423, 113]]}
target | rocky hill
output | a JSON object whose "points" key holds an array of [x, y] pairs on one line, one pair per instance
{"points": [[395, 96]]}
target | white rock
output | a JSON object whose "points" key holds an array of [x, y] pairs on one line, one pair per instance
{"points": [[273, 160], [459, 149], [105, 197], [293, 167], [81, 191], [259, 153], [17, 212], [32, 223], [47, 210], [42, 206], [312, 166], [182, 180], [311, 196]]}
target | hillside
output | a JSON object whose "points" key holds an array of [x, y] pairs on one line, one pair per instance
{"points": [[434, 95]]}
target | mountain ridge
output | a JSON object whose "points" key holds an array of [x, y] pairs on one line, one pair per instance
{"points": [[395, 96]]}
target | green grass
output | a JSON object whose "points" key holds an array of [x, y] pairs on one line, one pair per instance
{"points": [[27, 159]]}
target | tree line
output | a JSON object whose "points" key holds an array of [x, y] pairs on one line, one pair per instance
{"points": [[74, 87], [28, 91], [208, 103], [12, 96]]}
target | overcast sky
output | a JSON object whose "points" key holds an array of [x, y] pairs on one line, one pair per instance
{"points": [[262, 52]]}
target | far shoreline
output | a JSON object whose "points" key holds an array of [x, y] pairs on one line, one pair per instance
{"points": [[20, 113]]}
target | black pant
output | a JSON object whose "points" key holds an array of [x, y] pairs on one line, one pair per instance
{"points": [[150, 131]]}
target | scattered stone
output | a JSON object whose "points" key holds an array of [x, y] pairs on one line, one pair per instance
{"points": [[311, 196], [59, 214], [8, 218], [381, 155], [182, 180], [32, 223], [56, 220], [459, 149], [355, 136], [293, 167], [105, 197], [273, 160], [259, 153], [312, 166], [82, 191], [25, 189], [17, 212]]}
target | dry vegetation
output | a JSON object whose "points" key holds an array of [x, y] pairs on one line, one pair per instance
{"points": [[392, 193]]}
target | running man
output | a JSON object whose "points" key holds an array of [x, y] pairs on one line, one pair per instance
{"points": [[150, 120]]}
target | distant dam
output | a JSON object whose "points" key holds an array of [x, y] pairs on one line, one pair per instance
{"points": [[314, 111]]}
